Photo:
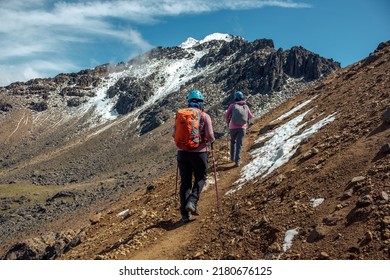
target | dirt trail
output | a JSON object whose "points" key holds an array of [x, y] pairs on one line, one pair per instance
{"points": [[154, 230], [173, 243]]}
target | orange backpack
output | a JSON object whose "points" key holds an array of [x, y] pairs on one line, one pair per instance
{"points": [[187, 123]]}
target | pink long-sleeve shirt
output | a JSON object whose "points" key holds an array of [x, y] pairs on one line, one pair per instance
{"points": [[228, 115]]}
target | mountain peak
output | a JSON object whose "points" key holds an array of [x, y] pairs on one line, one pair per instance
{"points": [[217, 37], [190, 42]]}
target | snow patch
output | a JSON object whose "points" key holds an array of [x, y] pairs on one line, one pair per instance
{"points": [[316, 202], [281, 146], [273, 152], [288, 237], [191, 42], [124, 214], [292, 111], [217, 37], [175, 74], [102, 105], [232, 191]]}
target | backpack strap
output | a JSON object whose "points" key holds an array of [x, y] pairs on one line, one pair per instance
{"points": [[202, 123]]}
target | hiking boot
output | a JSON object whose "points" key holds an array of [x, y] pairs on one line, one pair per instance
{"points": [[185, 219], [191, 207], [237, 164]]}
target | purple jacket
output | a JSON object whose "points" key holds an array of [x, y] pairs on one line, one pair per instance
{"points": [[228, 115]]}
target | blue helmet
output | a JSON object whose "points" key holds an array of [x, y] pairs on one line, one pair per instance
{"points": [[195, 94], [238, 95]]}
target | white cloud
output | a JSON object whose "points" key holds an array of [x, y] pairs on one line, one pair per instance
{"points": [[33, 69], [9, 73], [37, 29]]}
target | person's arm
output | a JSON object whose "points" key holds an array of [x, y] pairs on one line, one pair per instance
{"points": [[250, 115], [209, 132], [174, 129], [228, 114]]}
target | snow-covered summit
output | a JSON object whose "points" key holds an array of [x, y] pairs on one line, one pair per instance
{"points": [[218, 37], [190, 42]]}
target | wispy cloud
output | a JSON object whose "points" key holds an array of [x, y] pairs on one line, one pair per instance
{"points": [[33, 31], [32, 69]]}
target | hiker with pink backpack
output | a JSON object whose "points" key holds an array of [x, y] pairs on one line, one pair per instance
{"points": [[193, 130], [237, 116]]}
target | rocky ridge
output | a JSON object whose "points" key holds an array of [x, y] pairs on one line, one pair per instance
{"points": [[345, 163], [116, 103]]}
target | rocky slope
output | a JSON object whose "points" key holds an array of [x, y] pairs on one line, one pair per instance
{"points": [[69, 141], [345, 163], [106, 108]]}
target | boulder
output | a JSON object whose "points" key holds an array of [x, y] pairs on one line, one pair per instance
{"points": [[45, 247]]}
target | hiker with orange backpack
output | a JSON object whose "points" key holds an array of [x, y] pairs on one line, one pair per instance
{"points": [[237, 116], [193, 130]]}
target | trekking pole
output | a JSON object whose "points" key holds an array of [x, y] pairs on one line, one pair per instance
{"points": [[215, 175], [177, 172], [227, 142], [249, 137], [248, 128]]}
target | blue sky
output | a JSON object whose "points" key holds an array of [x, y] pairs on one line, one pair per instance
{"points": [[41, 38]]}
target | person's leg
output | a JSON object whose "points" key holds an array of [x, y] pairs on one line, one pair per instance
{"points": [[232, 143], [185, 169], [240, 134], [199, 165]]}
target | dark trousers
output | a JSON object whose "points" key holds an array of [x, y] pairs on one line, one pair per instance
{"points": [[236, 139], [191, 164]]}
